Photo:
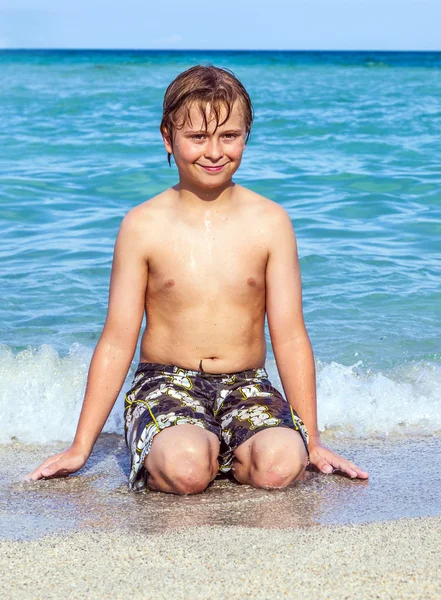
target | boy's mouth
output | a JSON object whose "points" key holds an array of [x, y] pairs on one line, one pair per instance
{"points": [[212, 169]]}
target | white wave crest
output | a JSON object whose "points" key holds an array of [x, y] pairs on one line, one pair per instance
{"points": [[41, 395], [353, 402]]}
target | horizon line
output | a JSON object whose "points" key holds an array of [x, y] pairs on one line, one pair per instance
{"points": [[243, 50]]}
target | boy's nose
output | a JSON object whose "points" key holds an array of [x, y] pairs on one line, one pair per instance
{"points": [[213, 149]]}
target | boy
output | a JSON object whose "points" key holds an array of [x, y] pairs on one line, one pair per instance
{"points": [[205, 260]]}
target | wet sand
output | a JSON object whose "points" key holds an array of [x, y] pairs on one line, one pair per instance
{"points": [[326, 537]]}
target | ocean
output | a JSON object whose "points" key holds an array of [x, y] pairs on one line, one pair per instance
{"points": [[348, 142]]}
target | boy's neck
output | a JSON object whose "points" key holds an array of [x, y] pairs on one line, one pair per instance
{"points": [[203, 196]]}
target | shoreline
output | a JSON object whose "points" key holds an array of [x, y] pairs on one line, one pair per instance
{"points": [[403, 472]]}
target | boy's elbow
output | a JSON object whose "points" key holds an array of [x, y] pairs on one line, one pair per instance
{"points": [[290, 338], [120, 337]]}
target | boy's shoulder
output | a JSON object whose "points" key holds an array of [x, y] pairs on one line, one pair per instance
{"points": [[149, 211], [262, 206]]}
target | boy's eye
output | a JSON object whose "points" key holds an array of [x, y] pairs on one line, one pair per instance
{"points": [[198, 136], [230, 136]]}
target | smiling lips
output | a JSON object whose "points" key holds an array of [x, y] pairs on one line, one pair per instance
{"points": [[212, 169]]}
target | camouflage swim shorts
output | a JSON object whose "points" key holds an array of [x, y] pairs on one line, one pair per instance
{"points": [[232, 406]]}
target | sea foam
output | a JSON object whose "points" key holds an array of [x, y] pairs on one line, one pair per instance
{"points": [[41, 395]]}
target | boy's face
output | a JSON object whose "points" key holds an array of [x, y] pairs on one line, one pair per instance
{"points": [[208, 158]]}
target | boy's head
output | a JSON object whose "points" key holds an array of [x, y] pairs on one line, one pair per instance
{"points": [[210, 88]]}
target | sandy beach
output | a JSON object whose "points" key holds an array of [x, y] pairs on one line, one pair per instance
{"points": [[398, 559], [326, 537]]}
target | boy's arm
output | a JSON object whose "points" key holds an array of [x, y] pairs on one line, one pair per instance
{"points": [[290, 341], [114, 351]]}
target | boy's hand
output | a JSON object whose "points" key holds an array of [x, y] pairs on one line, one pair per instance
{"points": [[327, 461], [59, 465]]}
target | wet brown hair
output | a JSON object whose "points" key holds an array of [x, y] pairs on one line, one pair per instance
{"points": [[201, 85]]}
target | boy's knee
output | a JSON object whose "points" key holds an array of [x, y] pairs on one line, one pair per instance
{"points": [[187, 472], [185, 467], [276, 462], [189, 478], [279, 474]]}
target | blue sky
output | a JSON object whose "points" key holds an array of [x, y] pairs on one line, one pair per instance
{"points": [[227, 24]]}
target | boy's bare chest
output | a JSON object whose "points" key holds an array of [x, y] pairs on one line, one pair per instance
{"points": [[208, 260]]}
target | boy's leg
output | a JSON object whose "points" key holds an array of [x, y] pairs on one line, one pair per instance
{"points": [[272, 458], [264, 440], [171, 434], [182, 460]]}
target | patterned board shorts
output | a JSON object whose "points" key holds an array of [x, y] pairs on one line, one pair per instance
{"points": [[232, 406]]}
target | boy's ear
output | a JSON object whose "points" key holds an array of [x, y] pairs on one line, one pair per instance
{"points": [[167, 141]]}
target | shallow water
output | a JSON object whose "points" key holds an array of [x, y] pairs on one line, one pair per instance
{"points": [[404, 482]]}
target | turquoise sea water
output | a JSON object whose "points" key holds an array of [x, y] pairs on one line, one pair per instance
{"points": [[349, 143]]}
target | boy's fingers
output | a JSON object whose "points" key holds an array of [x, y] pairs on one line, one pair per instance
{"points": [[344, 466], [334, 462], [59, 465], [323, 466], [45, 470], [35, 474], [53, 468], [350, 469], [360, 473]]}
